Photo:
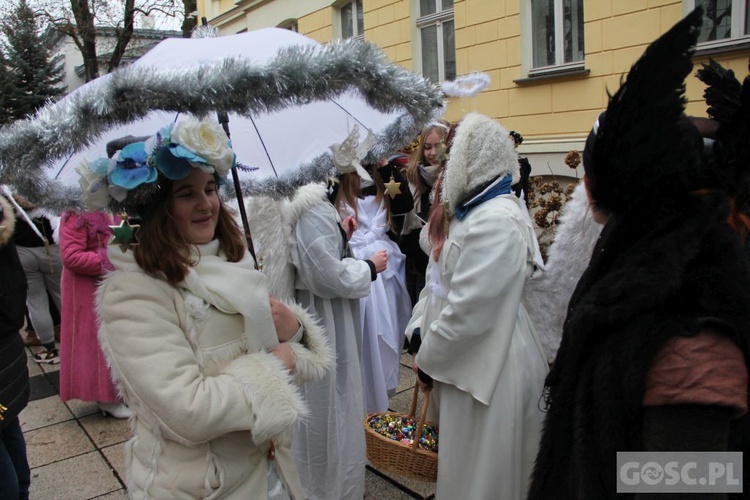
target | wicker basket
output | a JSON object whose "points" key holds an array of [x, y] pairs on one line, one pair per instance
{"points": [[399, 458]]}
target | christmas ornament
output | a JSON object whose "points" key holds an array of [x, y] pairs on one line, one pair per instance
{"points": [[124, 234], [392, 188]]}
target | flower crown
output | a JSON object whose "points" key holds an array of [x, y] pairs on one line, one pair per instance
{"points": [[130, 178]]}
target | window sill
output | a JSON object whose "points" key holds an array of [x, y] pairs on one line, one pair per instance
{"points": [[723, 46], [553, 74]]}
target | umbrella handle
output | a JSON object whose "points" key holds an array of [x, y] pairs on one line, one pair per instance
{"points": [[223, 119], [243, 214]]}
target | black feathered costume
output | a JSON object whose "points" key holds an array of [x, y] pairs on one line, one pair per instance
{"points": [[667, 264]]}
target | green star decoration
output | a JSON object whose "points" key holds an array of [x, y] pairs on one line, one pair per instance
{"points": [[124, 234]]}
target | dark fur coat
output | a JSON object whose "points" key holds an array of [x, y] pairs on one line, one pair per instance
{"points": [[651, 278]]}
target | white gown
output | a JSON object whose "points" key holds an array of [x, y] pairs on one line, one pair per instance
{"points": [[386, 311], [329, 445]]}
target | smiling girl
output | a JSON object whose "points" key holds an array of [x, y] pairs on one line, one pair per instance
{"points": [[206, 360]]}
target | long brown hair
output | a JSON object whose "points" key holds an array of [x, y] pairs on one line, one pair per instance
{"points": [[348, 192], [380, 196], [438, 220], [163, 251]]}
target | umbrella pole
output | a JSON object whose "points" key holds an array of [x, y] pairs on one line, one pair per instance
{"points": [[224, 120]]}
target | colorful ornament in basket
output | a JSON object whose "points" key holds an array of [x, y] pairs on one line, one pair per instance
{"points": [[400, 428]]}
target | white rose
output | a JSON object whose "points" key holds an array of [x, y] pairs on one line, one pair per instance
{"points": [[207, 140]]}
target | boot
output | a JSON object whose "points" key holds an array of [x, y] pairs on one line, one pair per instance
{"points": [[115, 410]]}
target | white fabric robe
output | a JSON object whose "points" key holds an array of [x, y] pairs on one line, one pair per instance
{"points": [[329, 446], [480, 347], [385, 312]]}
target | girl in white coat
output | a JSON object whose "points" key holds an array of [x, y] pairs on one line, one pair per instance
{"points": [[479, 351], [206, 361]]}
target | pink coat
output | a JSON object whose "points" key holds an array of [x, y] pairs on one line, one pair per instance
{"points": [[84, 373]]}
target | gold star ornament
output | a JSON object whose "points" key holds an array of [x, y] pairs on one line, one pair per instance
{"points": [[392, 188], [125, 234]]}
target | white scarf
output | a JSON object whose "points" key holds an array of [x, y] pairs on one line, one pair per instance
{"points": [[234, 288]]}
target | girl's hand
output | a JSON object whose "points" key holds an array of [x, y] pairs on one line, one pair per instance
{"points": [[380, 260], [285, 353], [350, 225], [284, 320]]}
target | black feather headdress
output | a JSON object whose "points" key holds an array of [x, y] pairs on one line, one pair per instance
{"points": [[642, 149], [729, 104], [723, 90]]}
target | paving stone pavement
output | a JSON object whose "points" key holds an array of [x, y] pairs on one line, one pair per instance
{"points": [[76, 453]]}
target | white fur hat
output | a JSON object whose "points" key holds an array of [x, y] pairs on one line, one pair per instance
{"points": [[482, 151]]}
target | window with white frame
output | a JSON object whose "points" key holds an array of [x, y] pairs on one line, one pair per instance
{"points": [[557, 32], [437, 30], [723, 20], [352, 20]]}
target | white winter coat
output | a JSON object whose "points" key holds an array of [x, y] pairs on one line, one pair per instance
{"points": [[207, 398], [479, 346]]}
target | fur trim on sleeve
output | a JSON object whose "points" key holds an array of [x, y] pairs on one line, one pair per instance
{"points": [[275, 401], [8, 221], [315, 357]]}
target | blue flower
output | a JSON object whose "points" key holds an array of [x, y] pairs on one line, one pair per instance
{"points": [[173, 167], [130, 178], [133, 155], [182, 152], [132, 168]]}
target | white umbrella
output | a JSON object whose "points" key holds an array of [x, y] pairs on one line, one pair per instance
{"points": [[288, 97], [276, 142]]}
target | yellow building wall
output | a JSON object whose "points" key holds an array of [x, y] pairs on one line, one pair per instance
{"points": [[317, 25], [553, 114]]}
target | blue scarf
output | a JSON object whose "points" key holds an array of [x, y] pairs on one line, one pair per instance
{"points": [[502, 187]]}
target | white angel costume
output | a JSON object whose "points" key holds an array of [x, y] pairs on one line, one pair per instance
{"points": [[329, 446], [478, 343], [385, 312]]}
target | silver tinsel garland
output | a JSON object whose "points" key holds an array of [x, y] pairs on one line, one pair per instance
{"points": [[297, 75]]}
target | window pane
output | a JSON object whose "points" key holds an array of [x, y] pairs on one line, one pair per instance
{"points": [[427, 7], [447, 4], [360, 18], [573, 30], [430, 53], [717, 19], [346, 21], [449, 50], [543, 32]]}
